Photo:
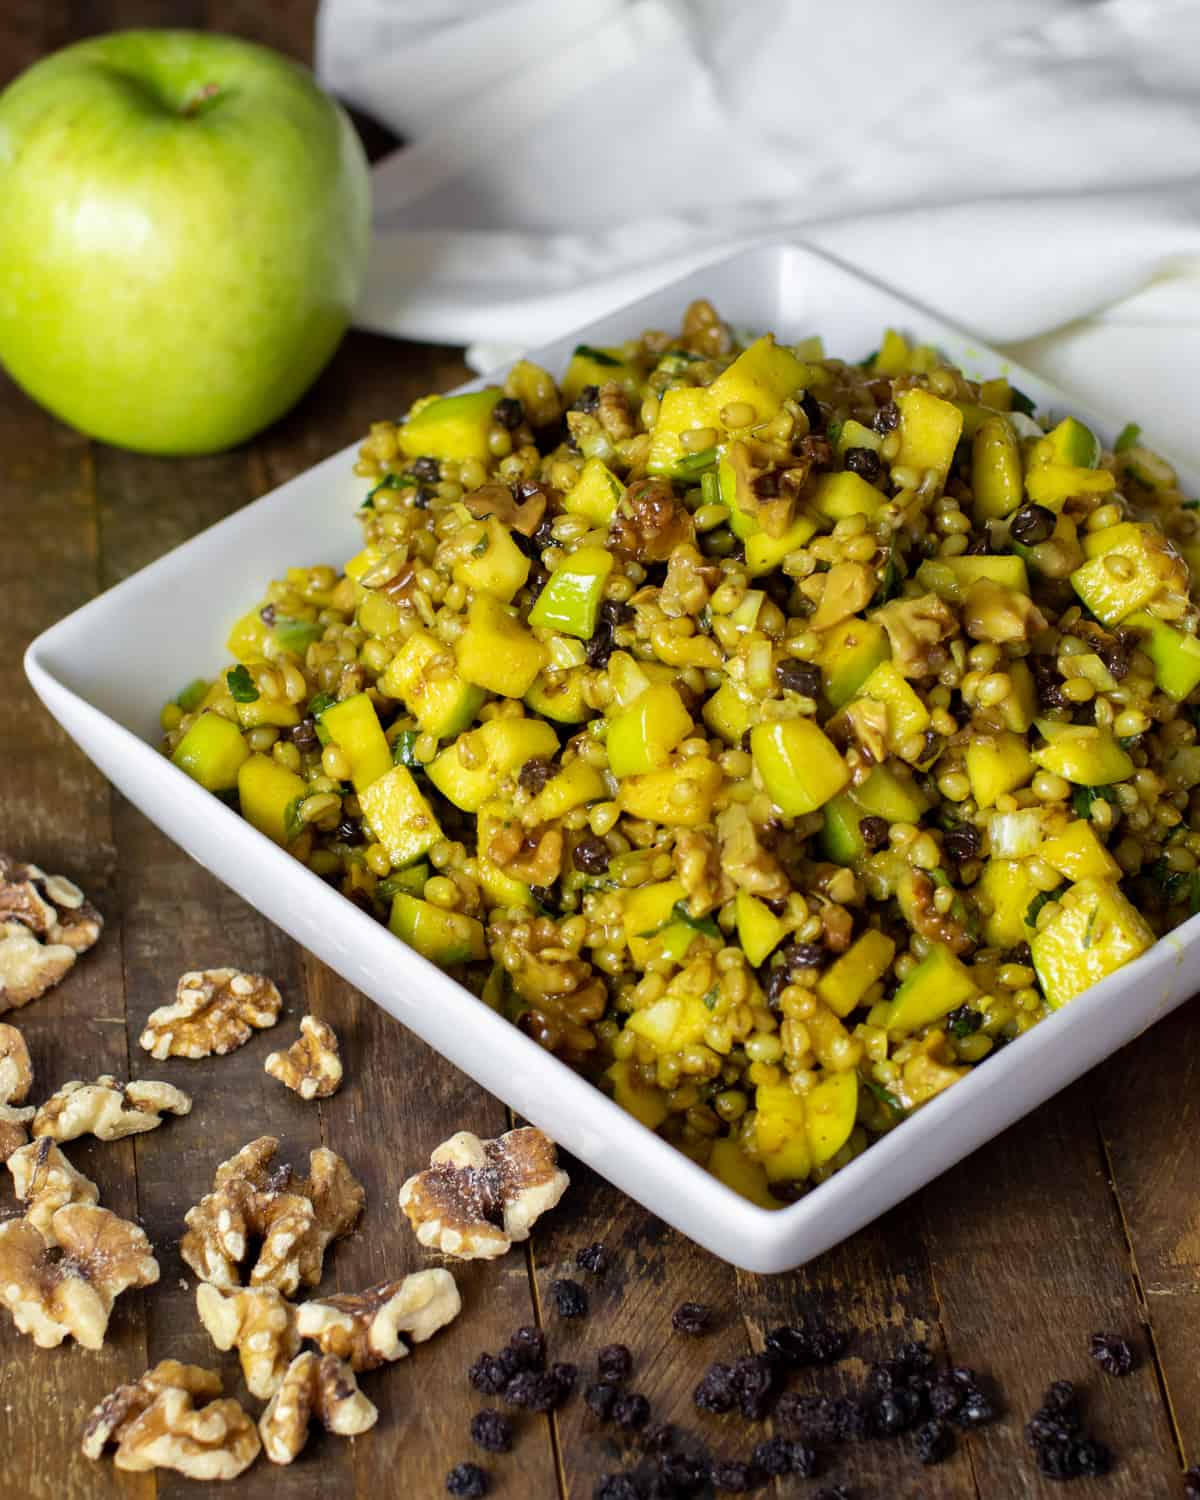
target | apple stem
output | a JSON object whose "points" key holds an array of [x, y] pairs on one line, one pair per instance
{"points": [[203, 96]]}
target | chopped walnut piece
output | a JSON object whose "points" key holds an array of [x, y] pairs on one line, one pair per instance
{"points": [[744, 857], [155, 1424], [112, 1415], [108, 1109], [215, 1011], [259, 1324], [16, 1079], [102, 1256], [994, 613], [45, 1181], [310, 1067], [292, 1220], [315, 1385], [45, 923], [365, 1328], [477, 1198], [916, 629], [650, 522]]}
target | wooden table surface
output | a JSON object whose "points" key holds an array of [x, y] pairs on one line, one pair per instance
{"points": [[1084, 1217]]}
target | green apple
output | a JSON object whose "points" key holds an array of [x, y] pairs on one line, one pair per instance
{"points": [[183, 236]]}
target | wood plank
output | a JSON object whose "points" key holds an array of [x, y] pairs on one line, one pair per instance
{"points": [[1148, 1106], [1029, 1261], [56, 813]]}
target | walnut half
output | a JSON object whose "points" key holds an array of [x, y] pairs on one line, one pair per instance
{"points": [[311, 1066], [45, 923], [320, 1386], [45, 1181], [102, 1256], [155, 1424], [16, 1079], [478, 1198], [260, 1324], [215, 1011], [292, 1219], [108, 1109], [369, 1328]]}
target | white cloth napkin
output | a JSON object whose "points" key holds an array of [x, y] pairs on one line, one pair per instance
{"points": [[1030, 168]]}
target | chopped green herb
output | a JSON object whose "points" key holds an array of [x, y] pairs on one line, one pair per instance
{"points": [[241, 685], [964, 1021], [388, 482], [885, 1096], [867, 363], [1127, 437], [706, 925], [481, 545], [193, 695], [710, 488], [713, 996], [1128, 739], [1021, 402], [704, 621], [940, 877], [404, 749], [597, 356], [319, 703], [293, 823], [1040, 900], [1091, 922], [833, 432], [296, 635], [696, 464], [1189, 505]]}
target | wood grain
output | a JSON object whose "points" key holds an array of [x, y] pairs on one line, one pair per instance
{"points": [[1084, 1217]]}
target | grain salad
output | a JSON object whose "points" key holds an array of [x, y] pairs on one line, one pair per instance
{"points": [[769, 736]]}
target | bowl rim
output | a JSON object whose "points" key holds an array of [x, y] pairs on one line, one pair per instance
{"points": [[767, 1232]]}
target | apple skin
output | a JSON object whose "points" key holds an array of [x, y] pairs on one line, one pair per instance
{"points": [[185, 226]]}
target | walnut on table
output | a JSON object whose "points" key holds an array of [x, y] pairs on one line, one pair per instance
{"points": [[294, 1219], [311, 1067], [257, 1322], [16, 1079], [370, 1328], [215, 1011], [45, 1181], [101, 1257], [155, 1424], [108, 1109], [45, 924], [478, 1198], [317, 1386]]}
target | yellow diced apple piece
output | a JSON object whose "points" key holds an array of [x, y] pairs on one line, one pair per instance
{"points": [[468, 771], [495, 564], [781, 1133], [762, 376], [680, 796], [643, 1101], [996, 764], [1005, 891], [759, 930], [269, 795], [730, 1165], [353, 725], [800, 766], [399, 817], [496, 652], [1096, 932], [451, 427], [596, 494], [575, 785], [1085, 754], [212, 752], [929, 431], [848, 978], [832, 1111], [248, 638], [1078, 854], [643, 736], [443, 937]]}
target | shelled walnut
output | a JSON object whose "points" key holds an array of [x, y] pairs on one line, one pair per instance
{"points": [[311, 1066], [108, 1109], [45, 1181], [16, 1079], [101, 1257], [45, 924], [317, 1386], [215, 1011], [292, 1219], [370, 1328], [155, 1424], [259, 1324], [478, 1198]]}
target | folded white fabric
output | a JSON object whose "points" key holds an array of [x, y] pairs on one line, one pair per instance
{"points": [[1019, 166]]}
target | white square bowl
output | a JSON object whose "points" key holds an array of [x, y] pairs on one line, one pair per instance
{"points": [[105, 671]]}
